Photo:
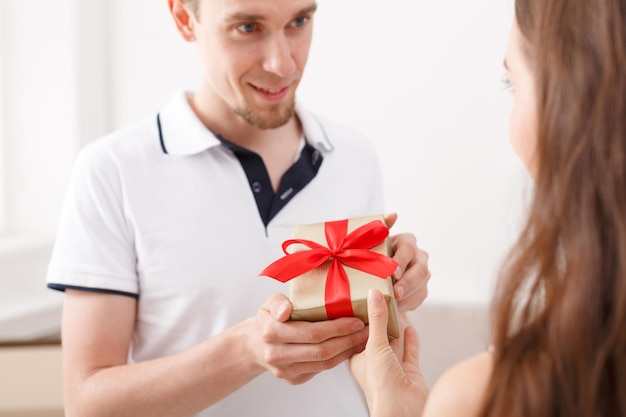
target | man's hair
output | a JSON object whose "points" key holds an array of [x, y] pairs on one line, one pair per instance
{"points": [[559, 312], [195, 7]]}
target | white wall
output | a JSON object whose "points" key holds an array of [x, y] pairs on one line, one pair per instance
{"points": [[422, 79], [54, 101]]}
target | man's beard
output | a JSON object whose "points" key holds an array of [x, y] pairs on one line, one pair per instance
{"points": [[268, 120]]}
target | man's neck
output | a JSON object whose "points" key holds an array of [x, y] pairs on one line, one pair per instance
{"points": [[218, 117], [277, 147]]}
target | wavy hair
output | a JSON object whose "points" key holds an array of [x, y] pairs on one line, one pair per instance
{"points": [[559, 312]]}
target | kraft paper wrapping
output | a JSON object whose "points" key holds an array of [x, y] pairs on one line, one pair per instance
{"points": [[307, 290]]}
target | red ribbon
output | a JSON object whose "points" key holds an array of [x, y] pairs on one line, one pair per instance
{"points": [[351, 250]]}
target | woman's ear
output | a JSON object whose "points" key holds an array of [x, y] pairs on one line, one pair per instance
{"points": [[183, 18]]}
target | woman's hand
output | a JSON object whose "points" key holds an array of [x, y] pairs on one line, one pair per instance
{"points": [[392, 387]]}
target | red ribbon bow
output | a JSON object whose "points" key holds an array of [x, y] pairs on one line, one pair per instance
{"points": [[351, 250]]}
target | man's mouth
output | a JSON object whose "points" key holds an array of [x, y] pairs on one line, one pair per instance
{"points": [[272, 93], [270, 90]]}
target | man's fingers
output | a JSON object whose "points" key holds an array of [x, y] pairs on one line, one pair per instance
{"points": [[279, 306], [390, 219], [275, 327], [405, 252], [422, 256]]}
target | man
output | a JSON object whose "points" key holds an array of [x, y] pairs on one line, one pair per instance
{"points": [[168, 223]]}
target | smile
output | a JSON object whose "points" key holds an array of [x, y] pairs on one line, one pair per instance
{"points": [[271, 90], [272, 93]]}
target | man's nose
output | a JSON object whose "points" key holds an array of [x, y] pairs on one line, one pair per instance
{"points": [[278, 58]]}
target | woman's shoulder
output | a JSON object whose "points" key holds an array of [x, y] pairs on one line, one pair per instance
{"points": [[460, 389]]}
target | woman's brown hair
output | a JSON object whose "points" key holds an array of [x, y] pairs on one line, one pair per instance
{"points": [[559, 312]]}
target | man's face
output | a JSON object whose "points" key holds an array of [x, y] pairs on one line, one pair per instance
{"points": [[253, 54]]}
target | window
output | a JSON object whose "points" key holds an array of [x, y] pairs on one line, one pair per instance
{"points": [[51, 104]]}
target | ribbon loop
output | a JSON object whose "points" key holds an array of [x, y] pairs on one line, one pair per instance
{"points": [[343, 249]]}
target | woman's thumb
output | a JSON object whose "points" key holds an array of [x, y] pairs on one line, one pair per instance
{"points": [[377, 317]]}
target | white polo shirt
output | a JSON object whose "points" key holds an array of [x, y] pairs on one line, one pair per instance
{"points": [[168, 214]]}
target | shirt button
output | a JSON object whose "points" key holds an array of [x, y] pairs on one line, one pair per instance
{"points": [[286, 194], [256, 187]]}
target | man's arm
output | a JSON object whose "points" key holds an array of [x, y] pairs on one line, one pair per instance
{"points": [[97, 333]]}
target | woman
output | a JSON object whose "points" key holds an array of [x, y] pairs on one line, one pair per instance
{"points": [[559, 312]]}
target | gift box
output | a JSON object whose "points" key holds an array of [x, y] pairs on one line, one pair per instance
{"points": [[331, 266]]}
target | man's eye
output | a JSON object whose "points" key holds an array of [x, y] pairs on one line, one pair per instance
{"points": [[299, 22], [247, 27]]}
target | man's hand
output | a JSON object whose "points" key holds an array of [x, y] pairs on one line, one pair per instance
{"points": [[411, 277], [297, 350]]}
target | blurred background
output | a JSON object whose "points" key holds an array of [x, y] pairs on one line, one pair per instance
{"points": [[423, 80]]}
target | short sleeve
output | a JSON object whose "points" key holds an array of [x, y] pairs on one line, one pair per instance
{"points": [[94, 248]]}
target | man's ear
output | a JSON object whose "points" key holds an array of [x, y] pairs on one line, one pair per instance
{"points": [[183, 18]]}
